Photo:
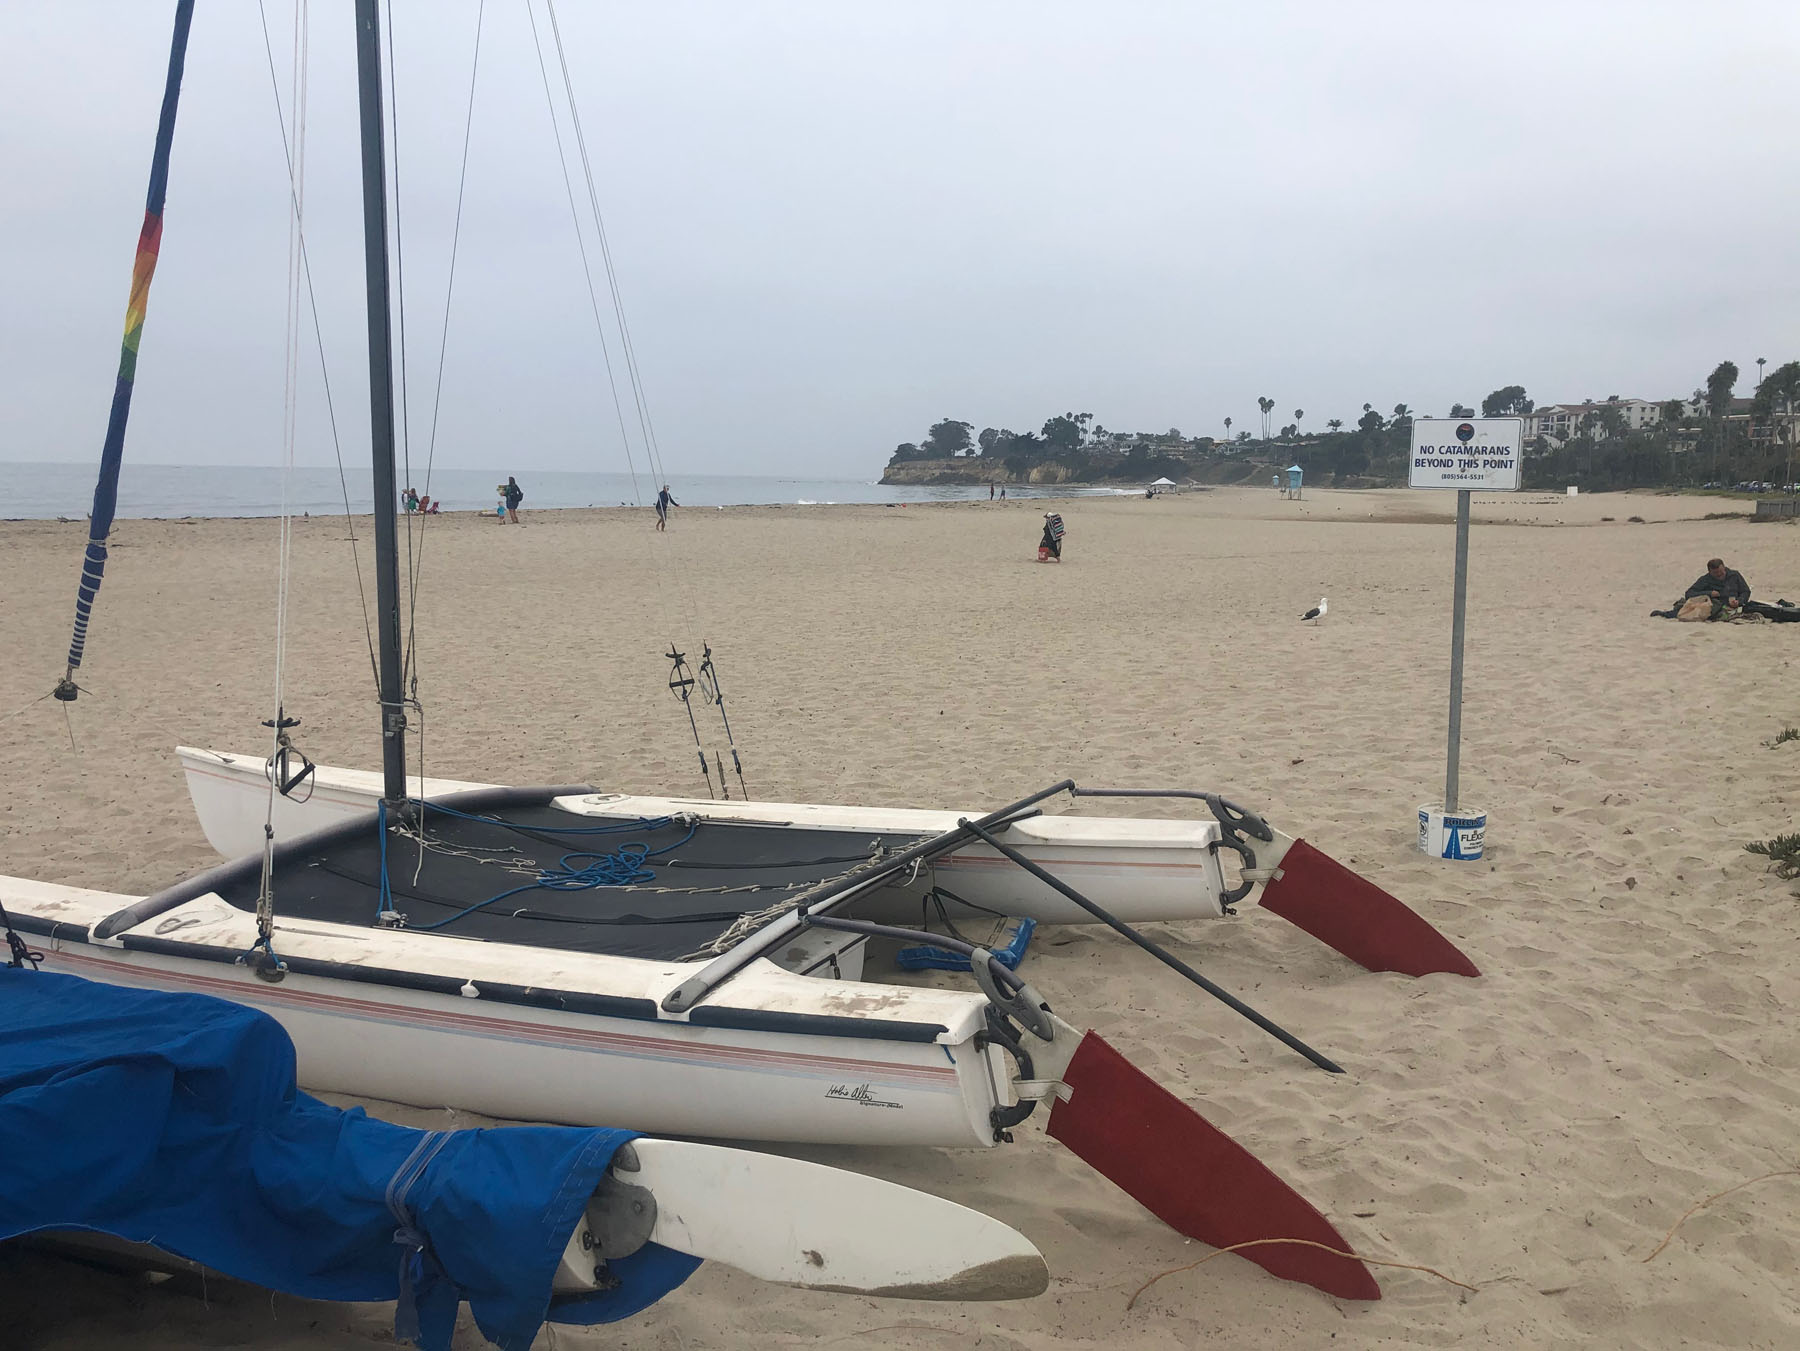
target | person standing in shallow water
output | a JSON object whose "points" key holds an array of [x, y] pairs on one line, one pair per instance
{"points": [[513, 495], [664, 500]]}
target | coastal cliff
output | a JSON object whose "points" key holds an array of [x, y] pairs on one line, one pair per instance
{"points": [[966, 470]]}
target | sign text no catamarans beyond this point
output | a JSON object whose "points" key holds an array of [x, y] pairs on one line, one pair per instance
{"points": [[1477, 454]]}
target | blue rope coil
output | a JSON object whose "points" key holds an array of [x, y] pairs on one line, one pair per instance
{"points": [[581, 870]]}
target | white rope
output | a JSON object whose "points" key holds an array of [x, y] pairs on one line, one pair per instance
{"points": [[296, 281], [318, 332]]}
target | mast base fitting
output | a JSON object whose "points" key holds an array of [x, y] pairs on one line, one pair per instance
{"points": [[66, 690], [265, 965]]}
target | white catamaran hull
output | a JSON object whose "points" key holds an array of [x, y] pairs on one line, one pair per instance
{"points": [[526, 1035], [1142, 871]]}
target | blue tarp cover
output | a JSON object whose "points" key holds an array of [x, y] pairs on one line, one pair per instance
{"points": [[174, 1119]]}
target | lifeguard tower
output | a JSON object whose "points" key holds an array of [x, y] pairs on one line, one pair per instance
{"points": [[1294, 474]]}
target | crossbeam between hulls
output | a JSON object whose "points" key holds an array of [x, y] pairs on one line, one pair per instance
{"points": [[832, 895]]}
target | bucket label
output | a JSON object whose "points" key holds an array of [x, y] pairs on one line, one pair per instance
{"points": [[1463, 839], [1453, 837]]}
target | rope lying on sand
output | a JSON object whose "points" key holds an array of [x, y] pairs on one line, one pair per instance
{"points": [[1717, 1196], [1304, 1243], [1433, 1271]]}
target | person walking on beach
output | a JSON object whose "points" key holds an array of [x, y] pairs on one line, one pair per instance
{"points": [[1050, 546], [512, 495], [990, 492], [664, 500], [1724, 587]]}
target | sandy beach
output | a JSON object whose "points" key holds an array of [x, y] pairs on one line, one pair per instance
{"points": [[1629, 1050]]}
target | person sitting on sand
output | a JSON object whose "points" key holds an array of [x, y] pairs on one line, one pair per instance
{"points": [[1724, 586]]}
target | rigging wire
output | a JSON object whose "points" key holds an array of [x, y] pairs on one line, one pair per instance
{"points": [[391, 106], [652, 450], [708, 675], [409, 672], [262, 952], [681, 685], [391, 109], [312, 300], [646, 425], [587, 270], [415, 562]]}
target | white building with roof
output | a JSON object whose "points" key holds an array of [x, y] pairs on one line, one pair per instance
{"points": [[1557, 422]]}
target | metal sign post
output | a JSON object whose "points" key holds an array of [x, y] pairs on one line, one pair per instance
{"points": [[1458, 615], [1469, 455]]}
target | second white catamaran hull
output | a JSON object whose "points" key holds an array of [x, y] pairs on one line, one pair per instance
{"points": [[1142, 871]]}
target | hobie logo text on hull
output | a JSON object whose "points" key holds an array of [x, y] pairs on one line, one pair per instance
{"points": [[861, 1094]]}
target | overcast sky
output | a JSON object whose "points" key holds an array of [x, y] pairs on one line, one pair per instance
{"points": [[836, 223]]}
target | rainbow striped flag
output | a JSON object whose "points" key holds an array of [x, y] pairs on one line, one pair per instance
{"points": [[143, 268]]}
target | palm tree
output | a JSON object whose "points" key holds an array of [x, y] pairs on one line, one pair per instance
{"points": [[1267, 406], [1335, 423], [1227, 429], [1718, 402]]}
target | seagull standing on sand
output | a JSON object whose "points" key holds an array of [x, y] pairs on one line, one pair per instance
{"points": [[1315, 614]]}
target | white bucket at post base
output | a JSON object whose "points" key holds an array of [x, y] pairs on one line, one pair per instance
{"points": [[1460, 834]]}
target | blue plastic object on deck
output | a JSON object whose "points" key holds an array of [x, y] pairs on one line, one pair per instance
{"points": [[174, 1119], [936, 959]]}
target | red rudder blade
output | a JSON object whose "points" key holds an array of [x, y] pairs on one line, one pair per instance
{"points": [[1193, 1176], [1358, 918]]}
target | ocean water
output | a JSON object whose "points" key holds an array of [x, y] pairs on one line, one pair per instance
{"points": [[48, 491]]}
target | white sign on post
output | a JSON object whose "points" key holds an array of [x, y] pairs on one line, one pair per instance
{"points": [[1470, 455], [1475, 454]]}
